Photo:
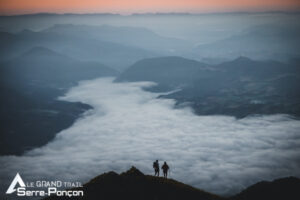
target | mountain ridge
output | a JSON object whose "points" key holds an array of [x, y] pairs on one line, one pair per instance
{"points": [[139, 37], [240, 87], [133, 184], [169, 72], [30, 86], [76, 46]]}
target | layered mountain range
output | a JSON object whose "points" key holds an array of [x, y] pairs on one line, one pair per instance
{"points": [[39, 66], [30, 85], [240, 87]]}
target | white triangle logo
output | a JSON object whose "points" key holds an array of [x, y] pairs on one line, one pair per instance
{"points": [[13, 184]]}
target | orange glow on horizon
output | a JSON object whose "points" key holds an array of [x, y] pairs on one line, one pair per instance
{"points": [[131, 6]]}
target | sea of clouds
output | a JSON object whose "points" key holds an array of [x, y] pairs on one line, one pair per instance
{"points": [[129, 126]]}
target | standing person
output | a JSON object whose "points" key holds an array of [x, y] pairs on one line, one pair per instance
{"points": [[165, 169], [156, 168]]}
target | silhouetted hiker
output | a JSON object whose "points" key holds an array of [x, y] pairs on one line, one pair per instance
{"points": [[165, 169], [156, 168]]}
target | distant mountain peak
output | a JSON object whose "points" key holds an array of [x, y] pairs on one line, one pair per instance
{"points": [[170, 60], [243, 59], [41, 51], [133, 171], [239, 63], [26, 31], [63, 25]]}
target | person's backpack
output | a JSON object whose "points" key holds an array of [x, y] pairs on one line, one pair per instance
{"points": [[154, 165], [165, 167]]}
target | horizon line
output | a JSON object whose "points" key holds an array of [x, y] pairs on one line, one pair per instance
{"points": [[158, 13]]}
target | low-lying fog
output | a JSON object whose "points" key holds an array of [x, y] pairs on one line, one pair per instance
{"points": [[130, 126]]}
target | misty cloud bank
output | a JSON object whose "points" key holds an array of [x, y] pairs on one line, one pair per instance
{"points": [[130, 126]]}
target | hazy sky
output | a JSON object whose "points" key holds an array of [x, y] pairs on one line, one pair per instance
{"points": [[129, 6]]}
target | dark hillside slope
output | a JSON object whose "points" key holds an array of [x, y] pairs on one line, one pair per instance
{"points": [[240, 87], [29, 86], [168, 72], [43, 66], [134, 185], [285, 188]]}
